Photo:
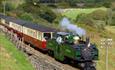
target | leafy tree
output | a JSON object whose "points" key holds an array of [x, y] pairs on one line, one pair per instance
{"points": [[38, 10]]}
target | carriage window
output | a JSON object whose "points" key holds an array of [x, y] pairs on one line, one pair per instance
{"points": [[47, 36]]}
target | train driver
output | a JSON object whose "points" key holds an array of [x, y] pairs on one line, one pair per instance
{"points": [[59, 40]]}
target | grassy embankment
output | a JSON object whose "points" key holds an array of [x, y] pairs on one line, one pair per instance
{"points": [[96, 37], [11, 58]]}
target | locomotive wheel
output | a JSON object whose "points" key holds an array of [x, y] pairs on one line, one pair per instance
{"points": [[51, 53], [66, 60], [89, 66]]}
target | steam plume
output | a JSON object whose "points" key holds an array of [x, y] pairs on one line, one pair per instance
{"points": [[66, 24]]}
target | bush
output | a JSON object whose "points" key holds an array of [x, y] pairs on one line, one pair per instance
{"points": [[99, 25], [99, 15], [89, 20], [26, 16], [47, 14], [42, 11], [9, 7], [113, 19], [82, 18], [107, 4], [63, 5]]}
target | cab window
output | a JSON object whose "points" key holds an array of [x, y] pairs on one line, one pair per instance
{"points": [[47, 36]]}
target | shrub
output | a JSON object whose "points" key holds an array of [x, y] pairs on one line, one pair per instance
{"points": [[9, 7], [89, 20], [99, 15], [113, 19], [26, 16], [82, 18]]}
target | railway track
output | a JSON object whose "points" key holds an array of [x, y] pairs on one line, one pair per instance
{"points": [[39, 60]]}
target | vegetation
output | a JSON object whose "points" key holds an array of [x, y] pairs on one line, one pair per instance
{"points": [[37, 10], [113, 19], [110, 29], [26, 16], [73, 13], [10, 57]]}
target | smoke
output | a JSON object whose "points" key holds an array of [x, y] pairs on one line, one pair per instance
{"points": [[66, 25]]}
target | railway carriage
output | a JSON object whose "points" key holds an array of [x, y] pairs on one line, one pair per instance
{"points": [[30, 32], [37, 34]]}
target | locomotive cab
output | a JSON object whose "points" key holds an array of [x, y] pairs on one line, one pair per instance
{"points": [[47, 35]]}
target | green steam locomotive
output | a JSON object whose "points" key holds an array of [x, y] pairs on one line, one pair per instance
{"points": [[69, 46]]}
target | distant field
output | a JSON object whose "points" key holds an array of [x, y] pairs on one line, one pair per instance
{"points": [[72, 13], [11, 58]]}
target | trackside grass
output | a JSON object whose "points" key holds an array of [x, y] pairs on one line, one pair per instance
{"points": [[11, 58]]}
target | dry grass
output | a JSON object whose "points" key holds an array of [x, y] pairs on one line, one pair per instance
{"points": [[111, 29]]}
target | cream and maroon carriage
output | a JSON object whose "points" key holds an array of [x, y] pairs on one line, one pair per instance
{"points": [[37, 34], [32, 33]]}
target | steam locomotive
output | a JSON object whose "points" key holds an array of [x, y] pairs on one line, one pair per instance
{"points": [[64, 46]]}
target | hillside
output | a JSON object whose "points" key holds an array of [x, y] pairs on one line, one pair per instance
{"points": [[11, 58], [73, 13]]}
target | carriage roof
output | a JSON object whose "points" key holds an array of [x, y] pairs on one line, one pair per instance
{"points": [[28, 24]]}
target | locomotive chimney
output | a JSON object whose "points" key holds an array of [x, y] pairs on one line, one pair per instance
{"points": [[87, 41]]}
